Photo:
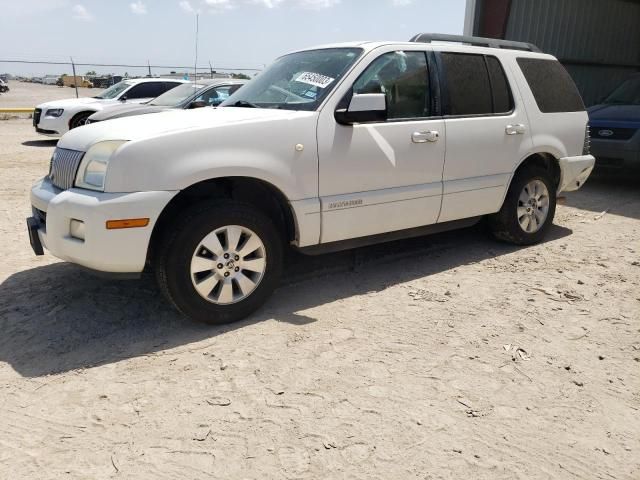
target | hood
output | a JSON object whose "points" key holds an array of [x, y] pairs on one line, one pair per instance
{"points": [[148, 126], [71, 102], [624, 116], [125, 110]]}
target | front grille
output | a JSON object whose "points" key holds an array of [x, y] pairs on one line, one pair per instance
{"points": [[36, 116], [40, 215], [606, 133], [63, 167], [586, 148]]}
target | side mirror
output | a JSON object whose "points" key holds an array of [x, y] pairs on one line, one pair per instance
{"points": [[363, 108], [198, 104], [123, 98]]}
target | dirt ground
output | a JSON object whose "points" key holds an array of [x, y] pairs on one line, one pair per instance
{"points": [[446, 357], [28, 95]]}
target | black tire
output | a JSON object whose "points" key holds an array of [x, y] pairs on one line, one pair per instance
{"points": [[172, 263], [504, 225], [79, 119]]}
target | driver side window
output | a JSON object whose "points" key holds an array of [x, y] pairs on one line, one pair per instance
{"points": [[404, 79], [216, 96]]}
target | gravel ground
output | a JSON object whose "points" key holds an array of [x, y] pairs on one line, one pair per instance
{"points": [[450, 356], [28, 95]]}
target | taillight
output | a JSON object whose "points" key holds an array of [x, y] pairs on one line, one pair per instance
{"points": [[586, 149]]}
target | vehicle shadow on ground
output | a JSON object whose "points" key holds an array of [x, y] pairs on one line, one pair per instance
{"points": [[41, 143], [617, 193], [59, 317]]}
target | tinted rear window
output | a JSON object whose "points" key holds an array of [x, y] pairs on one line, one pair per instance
{"points": [[477, 85], [468, 84], [551, 85], [502, 99]]}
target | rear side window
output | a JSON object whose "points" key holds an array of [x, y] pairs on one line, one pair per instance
{"points": [[467, 80], [169, 85], [477, 85], [147, 90], [502, 99], [551, 85]]}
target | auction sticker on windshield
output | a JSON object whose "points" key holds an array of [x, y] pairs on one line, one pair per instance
{"points": [[315, 79]]}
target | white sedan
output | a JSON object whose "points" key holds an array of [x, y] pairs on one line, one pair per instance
{"points": [[56, 118]]}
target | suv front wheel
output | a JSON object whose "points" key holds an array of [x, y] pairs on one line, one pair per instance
{"points": [[528, 209], [220, 262]]}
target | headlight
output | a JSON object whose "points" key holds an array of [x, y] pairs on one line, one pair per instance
{"points": [[54, 112], [93, 168]]}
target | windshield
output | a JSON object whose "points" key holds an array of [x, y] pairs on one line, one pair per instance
{"points": [[176, 96], [299, 81], [114, 90], [626, 94]]}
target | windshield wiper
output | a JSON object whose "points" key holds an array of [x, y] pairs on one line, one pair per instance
{"points": [[244, 103]]}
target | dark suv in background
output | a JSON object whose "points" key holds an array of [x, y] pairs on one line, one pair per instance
{"points": [[615, 127]]}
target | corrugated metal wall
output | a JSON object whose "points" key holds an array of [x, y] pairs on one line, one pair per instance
{"points": [[597, 40]]}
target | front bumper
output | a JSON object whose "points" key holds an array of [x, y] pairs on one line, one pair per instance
{"points": [[114, 251], [574, 171], [51, 126], [617, 153]]}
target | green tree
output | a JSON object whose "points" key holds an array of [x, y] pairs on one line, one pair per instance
{"points": [[90, 73]]}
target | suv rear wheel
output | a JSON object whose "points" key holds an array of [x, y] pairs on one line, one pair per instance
{"points": [[528, 209], [220, 262]]}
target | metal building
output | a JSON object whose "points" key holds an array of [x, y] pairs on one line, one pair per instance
{"points": [[598, 41]]}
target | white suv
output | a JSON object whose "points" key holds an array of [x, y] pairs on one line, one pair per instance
{"points": [[329, 148], [54, 119]]}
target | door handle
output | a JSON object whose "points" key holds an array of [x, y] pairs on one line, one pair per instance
{"points": [[424, 137], [517, 129]]}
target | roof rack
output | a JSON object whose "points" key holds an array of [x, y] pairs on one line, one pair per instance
{"points": [[475, 41]]}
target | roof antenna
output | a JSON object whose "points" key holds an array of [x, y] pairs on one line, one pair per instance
{"points": [[195, 64]]}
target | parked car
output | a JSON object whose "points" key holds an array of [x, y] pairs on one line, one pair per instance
{"points": [[327, 149], [50, 80], [4, 87], [190, 95], [615, 127], [106, 81], [54, 119]]}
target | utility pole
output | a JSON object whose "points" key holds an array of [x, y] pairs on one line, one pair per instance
{"points": [[195, 63], [75, 79], [149, 66], [211, 68]]}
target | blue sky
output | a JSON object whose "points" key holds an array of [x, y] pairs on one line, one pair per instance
{"points": [[233, 33]]}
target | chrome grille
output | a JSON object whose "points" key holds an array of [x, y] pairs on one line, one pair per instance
{"points": [[586, 148], [36, 116], [63, 167]]}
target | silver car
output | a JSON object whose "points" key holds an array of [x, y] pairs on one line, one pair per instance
{"points": [[204, 93]]}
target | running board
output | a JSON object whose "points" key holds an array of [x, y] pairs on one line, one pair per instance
{"points": [[341, 245]]}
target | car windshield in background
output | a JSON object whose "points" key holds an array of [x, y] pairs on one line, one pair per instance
{"points": [[626, 94], [177, 95], [298, 81], [114, 90]]}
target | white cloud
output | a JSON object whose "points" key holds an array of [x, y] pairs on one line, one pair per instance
{"points": [[186, 6], [217, 6], [401, 3], [318, 4], [82, 14], [138, 8]]}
